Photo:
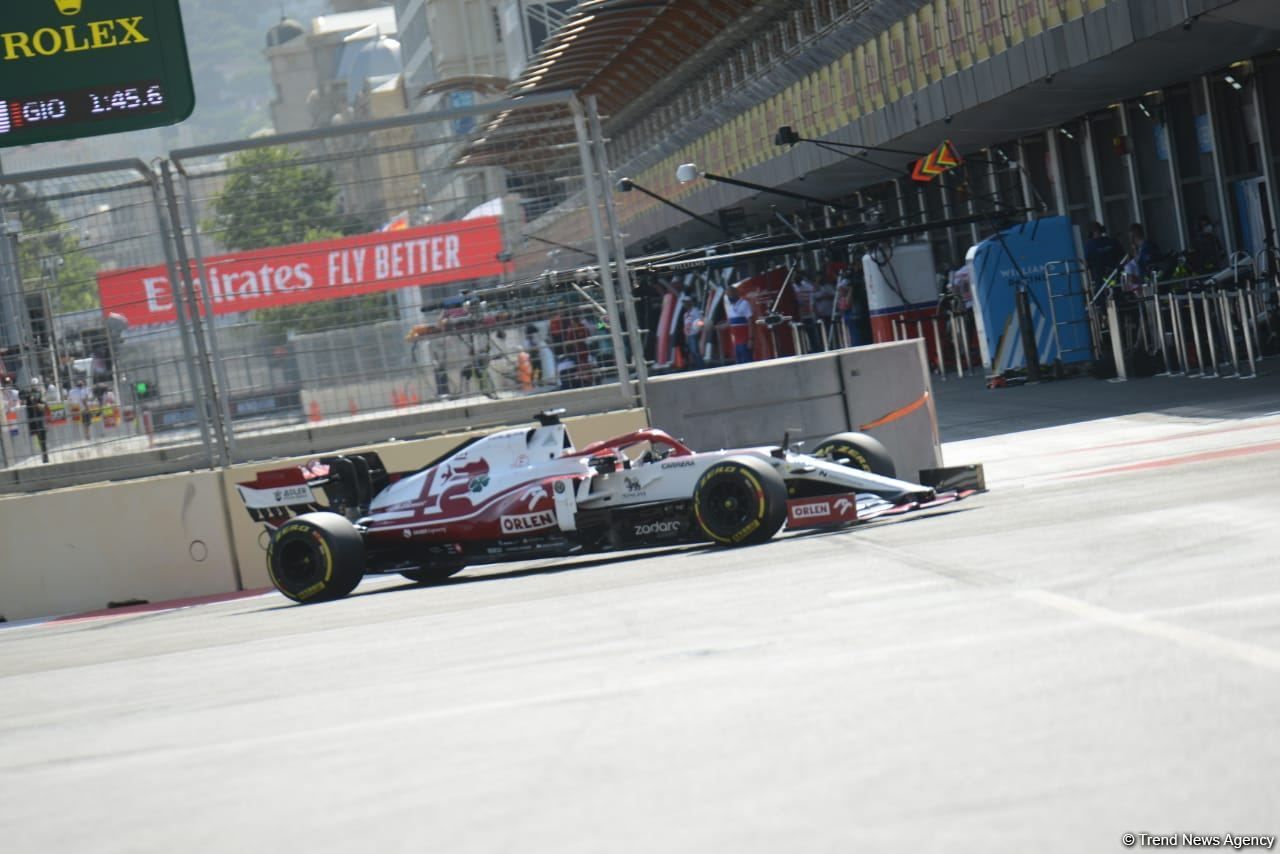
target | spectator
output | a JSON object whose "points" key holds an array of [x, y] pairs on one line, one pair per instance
{"points": [[37, 411], [1207, 247], [851, 304], [12, 399], [739, 313], [1102, 253], [78, 406]]}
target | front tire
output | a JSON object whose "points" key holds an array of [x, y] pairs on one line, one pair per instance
{"points": [[740, 501], [858, 451], [316, 557]]}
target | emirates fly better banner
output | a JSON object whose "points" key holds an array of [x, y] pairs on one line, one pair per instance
{"points": [[310, 272]]}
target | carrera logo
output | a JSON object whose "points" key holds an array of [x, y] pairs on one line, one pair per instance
{"points": [[809, 511], [678, 464], [292, 494], [528, 522], [670, 526]]}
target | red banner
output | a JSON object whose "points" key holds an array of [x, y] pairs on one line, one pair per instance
{"points": [[311, 272]]}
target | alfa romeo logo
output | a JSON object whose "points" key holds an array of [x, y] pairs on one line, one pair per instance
{"points": [[68, 7]]}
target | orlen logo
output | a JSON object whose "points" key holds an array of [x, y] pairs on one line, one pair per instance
{"points": [[670, 526], [808, 511], [528, 522]]}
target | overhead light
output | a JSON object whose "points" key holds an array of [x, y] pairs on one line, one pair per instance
{"points": [[686, 172], [1145, 111], [1068, 134], [1235, 84]]}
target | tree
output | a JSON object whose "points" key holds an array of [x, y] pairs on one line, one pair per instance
{"points": [[274, 199], [50, 256]]}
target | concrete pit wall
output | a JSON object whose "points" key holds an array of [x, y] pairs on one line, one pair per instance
{"points": [[81, 548], [884, 388]]}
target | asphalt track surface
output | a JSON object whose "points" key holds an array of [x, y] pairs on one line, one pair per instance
{"points": [[1090, 649]]}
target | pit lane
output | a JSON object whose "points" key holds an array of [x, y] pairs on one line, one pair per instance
{"points": [[1089, 649]]}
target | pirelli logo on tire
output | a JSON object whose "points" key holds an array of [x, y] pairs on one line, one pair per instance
{"points": [[747, 531]]}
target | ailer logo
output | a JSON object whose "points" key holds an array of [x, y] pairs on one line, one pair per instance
{"points": [[290, 494], [528, 522], [809, 511]]}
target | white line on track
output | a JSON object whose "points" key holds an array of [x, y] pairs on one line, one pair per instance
{"points": [[1243, 603], [1258, 656]]}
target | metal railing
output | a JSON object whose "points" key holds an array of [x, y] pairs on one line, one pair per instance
{"points": [[1207, 326]]}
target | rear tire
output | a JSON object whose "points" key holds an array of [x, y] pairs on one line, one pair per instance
{"points": [[316, 557], [858, 451], [431, 574], [740, 501]]}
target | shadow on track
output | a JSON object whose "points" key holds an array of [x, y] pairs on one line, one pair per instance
{"points": [[563, 565]]}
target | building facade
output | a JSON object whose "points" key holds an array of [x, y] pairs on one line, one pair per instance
{"points": [[1157, 112]]}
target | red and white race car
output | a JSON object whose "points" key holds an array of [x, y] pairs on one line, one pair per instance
{"points": [[527, 493]]}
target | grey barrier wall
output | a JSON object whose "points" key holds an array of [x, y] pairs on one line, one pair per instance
{"points": [[882, 389]]}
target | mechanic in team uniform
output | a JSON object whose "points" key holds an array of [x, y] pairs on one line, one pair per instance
{"points": [[739, 312], [693, 324]]}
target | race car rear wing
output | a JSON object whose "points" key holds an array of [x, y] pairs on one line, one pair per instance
{"points": [[341, 484]]}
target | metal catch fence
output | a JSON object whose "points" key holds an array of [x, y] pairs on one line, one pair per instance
{"points": [[81, 383], [405, 265]]}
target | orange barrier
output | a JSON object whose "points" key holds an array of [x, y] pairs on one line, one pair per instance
{"points": [[900, 412]]}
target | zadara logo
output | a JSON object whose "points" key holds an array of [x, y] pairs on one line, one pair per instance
{"points": [[528, 522], [669, 526], [808, 511]]}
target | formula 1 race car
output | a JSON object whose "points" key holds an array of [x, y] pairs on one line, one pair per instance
{"points": [[527, 493]]}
